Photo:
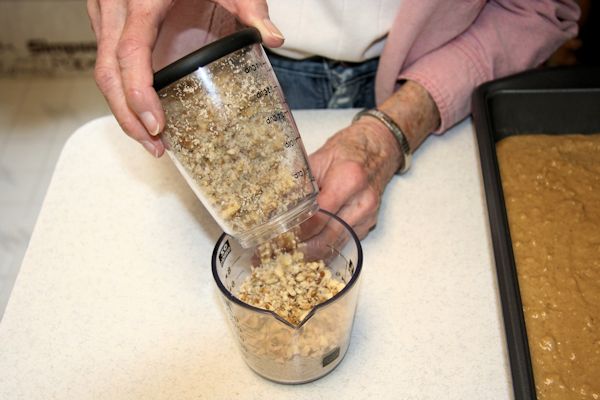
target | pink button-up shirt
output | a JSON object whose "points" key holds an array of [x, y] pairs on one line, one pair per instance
{"points": [[449, 47]]}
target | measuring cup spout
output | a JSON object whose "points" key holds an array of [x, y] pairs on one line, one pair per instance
{"points": [[300, 324]]}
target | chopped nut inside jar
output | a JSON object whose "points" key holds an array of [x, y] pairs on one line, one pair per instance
{"points": [[285, 283], [238, 158]]}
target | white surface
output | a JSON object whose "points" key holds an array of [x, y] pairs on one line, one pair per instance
{"points": [[115, 299], [37, 115]]}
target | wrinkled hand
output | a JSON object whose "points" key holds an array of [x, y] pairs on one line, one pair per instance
{"points": [[352, 170], [126, 31], [354, 166]]}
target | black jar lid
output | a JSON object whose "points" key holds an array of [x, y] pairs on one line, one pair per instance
{"points": [[205, 55]]}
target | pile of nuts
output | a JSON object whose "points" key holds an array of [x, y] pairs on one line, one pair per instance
{"points": [[228, 132], [284, 282]]}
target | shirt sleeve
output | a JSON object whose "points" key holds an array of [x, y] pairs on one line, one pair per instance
{"points": [[508, 36]]}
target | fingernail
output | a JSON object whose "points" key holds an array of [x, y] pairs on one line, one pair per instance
{"points": [[150, 123], [150, 147], [272, 29]]}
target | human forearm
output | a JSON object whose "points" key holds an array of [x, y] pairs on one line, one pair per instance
{"points": [[414, 111], [507, 37], [355, 165]]}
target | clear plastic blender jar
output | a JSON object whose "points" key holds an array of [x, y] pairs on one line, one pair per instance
{"points": [[230, 133], [277, 347]]}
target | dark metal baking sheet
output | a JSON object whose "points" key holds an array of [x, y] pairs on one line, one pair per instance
{"points": [[550, 101]]}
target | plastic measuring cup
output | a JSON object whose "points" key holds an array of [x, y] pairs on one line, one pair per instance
{"points": [[272, 346], [230, 133]]}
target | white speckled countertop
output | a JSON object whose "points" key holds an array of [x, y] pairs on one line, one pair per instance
{"points": [[115, 298]]}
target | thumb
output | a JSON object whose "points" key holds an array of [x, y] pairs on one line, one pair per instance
{"points": [[271, 36], [255, 13]]}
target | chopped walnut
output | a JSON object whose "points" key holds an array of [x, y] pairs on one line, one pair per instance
{"points": [[284, 282], [230, 134]]}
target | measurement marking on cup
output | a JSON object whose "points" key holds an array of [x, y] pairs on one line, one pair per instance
{"points": [[254, 67], [291, 142], [331, 356], [300, 173], [267, 91], [303, 172], [225, 250], [277, 116]]}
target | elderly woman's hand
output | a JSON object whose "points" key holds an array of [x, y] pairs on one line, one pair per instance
{"points": [[126, 31], [354, 166]]}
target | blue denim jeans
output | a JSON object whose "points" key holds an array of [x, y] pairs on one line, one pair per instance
{"points": [[321, 83]]}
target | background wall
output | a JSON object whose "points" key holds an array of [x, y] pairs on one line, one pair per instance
{"points": [[45, 37]]}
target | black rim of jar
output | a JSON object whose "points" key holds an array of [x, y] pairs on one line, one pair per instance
{"points": [[205, 55]]}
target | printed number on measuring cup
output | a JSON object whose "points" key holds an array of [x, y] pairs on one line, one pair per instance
{"points": [[253, 67], [263, 92], [278, 116], [291, 142], [225, 250], [350, 267], [300, 173], [303, 172]]}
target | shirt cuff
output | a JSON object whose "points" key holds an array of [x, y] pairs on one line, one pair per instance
{"points": [[449, 74]]}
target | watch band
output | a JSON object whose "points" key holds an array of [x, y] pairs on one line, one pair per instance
{"points": [[396, 131]]}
